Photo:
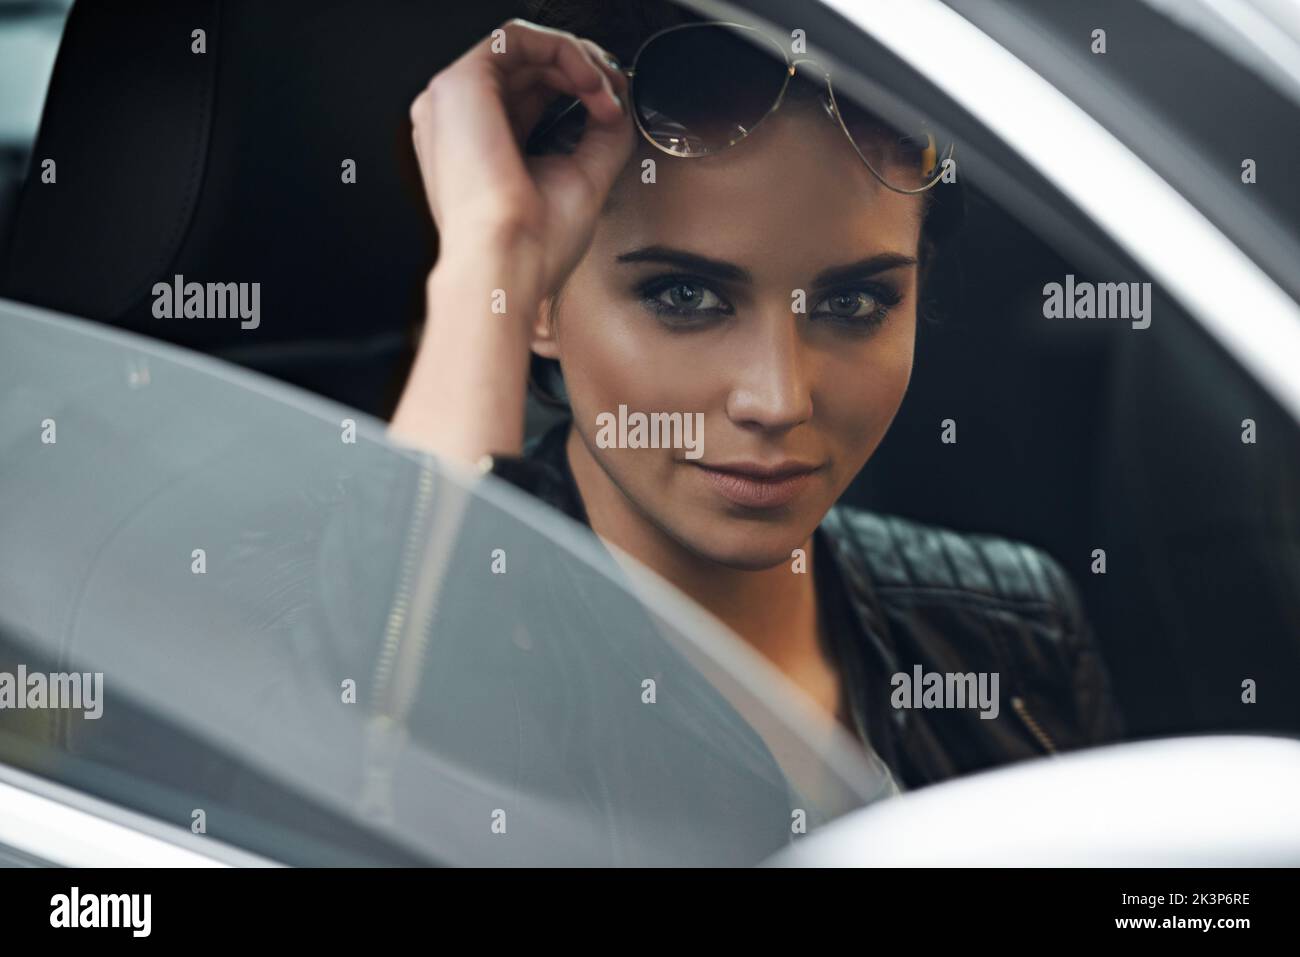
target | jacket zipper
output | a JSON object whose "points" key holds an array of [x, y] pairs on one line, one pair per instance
{"points": [[1036, 729]]}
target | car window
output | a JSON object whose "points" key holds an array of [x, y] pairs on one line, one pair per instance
{"points": [[29, 39], [311, 643]]}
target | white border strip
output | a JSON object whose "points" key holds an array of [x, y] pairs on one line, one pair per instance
{"points": [[1183, 251], [63, 835], [34, 821]]}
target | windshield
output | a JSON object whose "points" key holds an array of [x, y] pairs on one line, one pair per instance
{"points": [[240, 609]]}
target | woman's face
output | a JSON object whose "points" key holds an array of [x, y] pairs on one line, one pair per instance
{"points": [[685, 303]]}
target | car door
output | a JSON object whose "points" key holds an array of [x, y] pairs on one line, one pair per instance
{"points": [[242, 613]]}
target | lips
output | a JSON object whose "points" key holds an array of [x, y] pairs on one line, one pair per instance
{"points": [[752, 485]]}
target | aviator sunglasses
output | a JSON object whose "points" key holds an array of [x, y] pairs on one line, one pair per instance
{"points": [[699, 88]]}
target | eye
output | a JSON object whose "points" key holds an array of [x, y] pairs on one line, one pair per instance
{"points": [[859, 306], [683, 297]]}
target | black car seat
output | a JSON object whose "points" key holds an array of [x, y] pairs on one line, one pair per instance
{"points": [[227, 166]]}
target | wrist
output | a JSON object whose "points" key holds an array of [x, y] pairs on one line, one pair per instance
{"points": [[477, 303], [502, 256], [467, 389]]}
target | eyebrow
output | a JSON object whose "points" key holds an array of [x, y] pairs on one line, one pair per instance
{"points": [[729, 272], [862, 269], [712, 268]]}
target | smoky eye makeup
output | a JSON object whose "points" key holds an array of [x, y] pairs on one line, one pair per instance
{"points": [[682, 300], [700, 292], [858, 306]]}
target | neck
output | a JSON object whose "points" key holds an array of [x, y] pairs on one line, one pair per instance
{"points": [[773, 609]]}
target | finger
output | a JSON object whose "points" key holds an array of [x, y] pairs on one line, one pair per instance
{"points": [[474, 98], [589, 76], [602, 153], [463, 136], [607, 62], [531, 92], [532, 89]]}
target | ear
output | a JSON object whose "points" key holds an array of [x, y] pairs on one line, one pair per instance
{"points": [[543, 332]]}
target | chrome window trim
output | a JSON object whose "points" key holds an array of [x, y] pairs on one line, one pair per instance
{"points": [[1263, 37], [66, 828]]}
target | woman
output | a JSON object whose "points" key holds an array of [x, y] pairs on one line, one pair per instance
{"points": [[761, 280]]}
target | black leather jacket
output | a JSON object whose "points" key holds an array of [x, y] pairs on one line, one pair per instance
{"points": [[901, 594]]}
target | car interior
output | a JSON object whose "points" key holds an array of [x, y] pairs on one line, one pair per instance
{"points": [[1071, 436]]}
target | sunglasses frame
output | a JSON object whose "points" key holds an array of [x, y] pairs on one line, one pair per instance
{"points": [[791, 67]]}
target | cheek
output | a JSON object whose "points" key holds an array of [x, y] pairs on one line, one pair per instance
{"points": [[595, 349], [863, 387], [613, 353]]}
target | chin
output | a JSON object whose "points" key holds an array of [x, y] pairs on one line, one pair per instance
{"points": [[745, 545]]}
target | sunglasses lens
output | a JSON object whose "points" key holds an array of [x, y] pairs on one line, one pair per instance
{"points": [[699, 89], [906, 153]]}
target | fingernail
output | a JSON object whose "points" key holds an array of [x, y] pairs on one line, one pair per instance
{"points": [[613, 61]]}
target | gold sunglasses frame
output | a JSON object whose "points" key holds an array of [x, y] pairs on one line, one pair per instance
{"points": [[791, 67]]}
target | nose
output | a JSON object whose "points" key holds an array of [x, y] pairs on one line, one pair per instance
{"points": [[772, 390]]}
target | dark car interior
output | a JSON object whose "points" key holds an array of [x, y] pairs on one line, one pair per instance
{"points": [[1072, 437]]}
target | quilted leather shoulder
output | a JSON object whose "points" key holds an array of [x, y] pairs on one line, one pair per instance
{"points": [[904, 556]]}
